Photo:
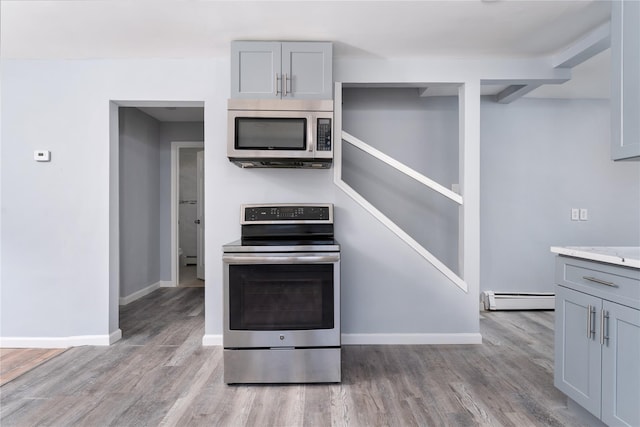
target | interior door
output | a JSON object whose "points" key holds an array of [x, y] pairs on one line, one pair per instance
{"points": [[200, 214]]}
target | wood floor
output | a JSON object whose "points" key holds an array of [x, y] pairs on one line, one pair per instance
{"points": [[160, 374], [188, 277], [16, 361]]}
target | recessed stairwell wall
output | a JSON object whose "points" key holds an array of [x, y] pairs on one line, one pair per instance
{"points": [[420, 132]]}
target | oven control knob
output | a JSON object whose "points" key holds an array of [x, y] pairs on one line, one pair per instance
{"points": [[281, 337]]}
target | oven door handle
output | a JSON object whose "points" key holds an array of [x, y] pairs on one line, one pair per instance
{"points": [[287, 259]]}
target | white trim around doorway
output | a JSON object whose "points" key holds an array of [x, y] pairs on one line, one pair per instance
{"points": [[175, 168]]}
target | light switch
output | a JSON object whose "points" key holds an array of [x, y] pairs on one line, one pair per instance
{"points": [[584, 214], [575, 214], [42, 155]]}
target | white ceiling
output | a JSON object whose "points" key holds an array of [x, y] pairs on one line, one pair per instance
{"points": [[78, 29]]}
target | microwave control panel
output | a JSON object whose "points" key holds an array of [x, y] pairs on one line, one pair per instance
{"points": [[323, 136]]}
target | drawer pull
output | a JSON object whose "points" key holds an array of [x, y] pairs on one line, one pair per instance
{"points": [[600, 281]]}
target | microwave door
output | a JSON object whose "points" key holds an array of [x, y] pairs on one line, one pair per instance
{"points": [[271, 136]]}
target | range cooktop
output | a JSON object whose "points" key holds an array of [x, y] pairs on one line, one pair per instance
{"points": [[285, 228]]}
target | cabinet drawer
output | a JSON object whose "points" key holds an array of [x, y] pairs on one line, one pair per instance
{"points": [[610, 282]]}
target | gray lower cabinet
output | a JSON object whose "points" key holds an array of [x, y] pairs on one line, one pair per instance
{"points": [[578, 355], [597, 339], [625, 83], [621, 365], [281, 70]]}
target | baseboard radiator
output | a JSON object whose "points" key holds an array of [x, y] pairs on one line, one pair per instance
{"points": [[491, 300]]}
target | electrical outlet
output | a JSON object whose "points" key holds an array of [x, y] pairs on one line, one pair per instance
{"points": [[42, 155], [584, 214], [575, 214]]}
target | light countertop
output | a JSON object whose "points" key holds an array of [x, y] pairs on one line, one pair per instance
{"points": [[628, 256]]}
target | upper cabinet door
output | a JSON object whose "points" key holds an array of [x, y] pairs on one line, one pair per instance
{"points": [[256, 69], [288, 70], [308, 70], [625, 83]]}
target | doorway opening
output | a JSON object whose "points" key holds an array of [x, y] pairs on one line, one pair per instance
{"points": [[141, 206], [187, 201]]}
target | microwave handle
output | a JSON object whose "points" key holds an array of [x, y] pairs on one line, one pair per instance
{"points": [[312, 133]]}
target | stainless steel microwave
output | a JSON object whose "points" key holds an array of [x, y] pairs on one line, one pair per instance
{"points": [[268, 133]]}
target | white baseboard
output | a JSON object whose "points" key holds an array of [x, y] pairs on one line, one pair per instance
{"points": [[407, 339], [115, 336], [211, 340], [139, 294], [60, 342], [167, 284]]}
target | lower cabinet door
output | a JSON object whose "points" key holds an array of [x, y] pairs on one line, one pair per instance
{"points": [[577, 348], [621, 365]]}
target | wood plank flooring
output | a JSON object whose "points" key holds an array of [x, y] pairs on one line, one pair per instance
{"points": [[16, 361], [188, 277], [160, 374]]}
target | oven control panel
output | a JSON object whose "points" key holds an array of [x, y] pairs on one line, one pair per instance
{"points": [[252, 214]]}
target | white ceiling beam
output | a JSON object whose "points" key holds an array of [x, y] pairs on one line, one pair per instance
{"points": [[586, 47], [514, 92], [583, 49]]}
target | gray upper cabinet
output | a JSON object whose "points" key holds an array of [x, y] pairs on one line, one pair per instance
{"points": [[625, 83], [255, 69], [287, 70]]}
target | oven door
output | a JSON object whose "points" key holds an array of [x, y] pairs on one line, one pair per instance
{"points": [[281, 300]]}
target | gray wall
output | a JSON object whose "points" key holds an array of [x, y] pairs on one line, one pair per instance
{"points": [[539, 159], [420, 132], [56, 260], [147, 151], [139, 201], [59, 246]]}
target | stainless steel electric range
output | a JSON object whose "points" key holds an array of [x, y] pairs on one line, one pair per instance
{"points": [[282, 296]]}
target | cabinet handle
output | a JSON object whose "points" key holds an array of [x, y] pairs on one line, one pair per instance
{"points": [[277, 85], [600, 281], [604, 327], [591, 310], [286, 78]]}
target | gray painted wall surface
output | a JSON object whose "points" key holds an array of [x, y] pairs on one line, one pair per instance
{"points": [[139, 201], [420, 132], [539, 159], [55, 251], [56, 255]]}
